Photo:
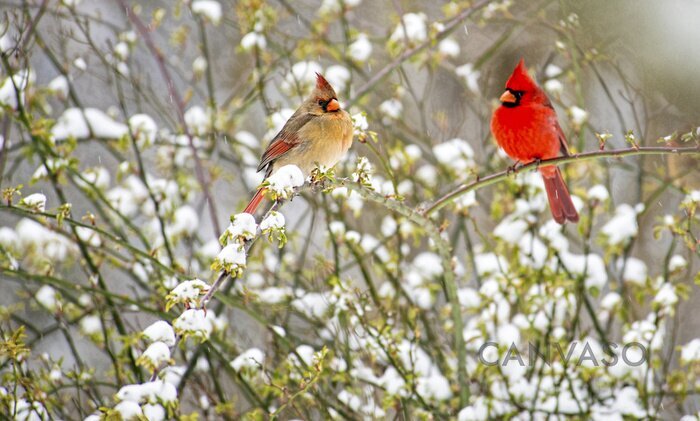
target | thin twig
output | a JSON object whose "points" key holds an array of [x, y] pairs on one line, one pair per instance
{"points": [[180, 108], [585, 156]]}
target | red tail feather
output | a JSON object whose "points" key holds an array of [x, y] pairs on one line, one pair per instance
{"points": [[255, 202], [559, 198]]}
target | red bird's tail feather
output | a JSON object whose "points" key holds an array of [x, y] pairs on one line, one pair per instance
{"points": [[255, 202], [559, 198]]}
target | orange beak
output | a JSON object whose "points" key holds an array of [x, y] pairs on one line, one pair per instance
{"points": [[508, 97], [333, 105]]}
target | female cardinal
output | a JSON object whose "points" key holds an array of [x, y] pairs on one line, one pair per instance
{"points": [[318, 133], [526, 127]]}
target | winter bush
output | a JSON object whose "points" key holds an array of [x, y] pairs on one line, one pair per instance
{"points": [[419, 279]]}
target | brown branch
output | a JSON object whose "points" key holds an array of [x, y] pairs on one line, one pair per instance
{"points": [[180, 107], [384, 72], [585, 156]]}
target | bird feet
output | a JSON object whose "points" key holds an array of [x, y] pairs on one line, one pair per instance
{"points": [[513, 168]]}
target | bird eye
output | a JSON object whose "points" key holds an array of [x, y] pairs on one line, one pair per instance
{"points": [[321, 102]]}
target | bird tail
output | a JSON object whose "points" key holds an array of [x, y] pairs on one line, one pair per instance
{"points": [[559, 198], [255, 201]]}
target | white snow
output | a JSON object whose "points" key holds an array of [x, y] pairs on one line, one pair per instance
{"points": [[412, 28], [677, 262], [97, 176], [46, 296], [359, 123], [361, 49], [153, 412], [274, 221], [435, 386], [185, 221], [9, 238], [456, 154], [189, 290], [91, 324], [335, 6], [666, 297], [610, 301], [470, 75], [232, 254], [150, 392], [554, 87], [157, 353], [197, 120], [449, 47], [209, 9], [598, 192], [79, 62], [362, 169], [128, 410], [635, 270], [274, 295], [47, 243], [253, 40], [392, 108], [89, 236], [242, 227], [578, 115], [279, 331], [160, 331], [199, 65], [59, 85], [12, 86], [592, 264], [121, 50], [428, 265], [283, 181], [622, 227], [552, 70], [692, 197], [78, 123], [469, 298], [252, 358], [490, 263], [511, 230], [144, 128], [195, 322], [35, 202], [306, 352], [312, 304], [690, 352]]}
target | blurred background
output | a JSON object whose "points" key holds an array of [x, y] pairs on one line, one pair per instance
{"points": [[420, 74]]}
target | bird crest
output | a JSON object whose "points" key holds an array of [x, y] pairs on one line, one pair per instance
{"points": [[520, 80], [323, 85]]}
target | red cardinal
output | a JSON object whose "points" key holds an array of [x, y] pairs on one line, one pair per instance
{"points": [[319, 132], [526, 127]]}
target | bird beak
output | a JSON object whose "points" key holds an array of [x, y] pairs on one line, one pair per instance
{"points": [[333, 105], [508, 98]]}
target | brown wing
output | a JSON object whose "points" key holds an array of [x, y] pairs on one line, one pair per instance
{"points": [[285, 140]]}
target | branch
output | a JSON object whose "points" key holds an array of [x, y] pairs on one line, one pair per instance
{"points": [[449, 27], [444, 250], [225, 275], [585, 156], [180, 107]]}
